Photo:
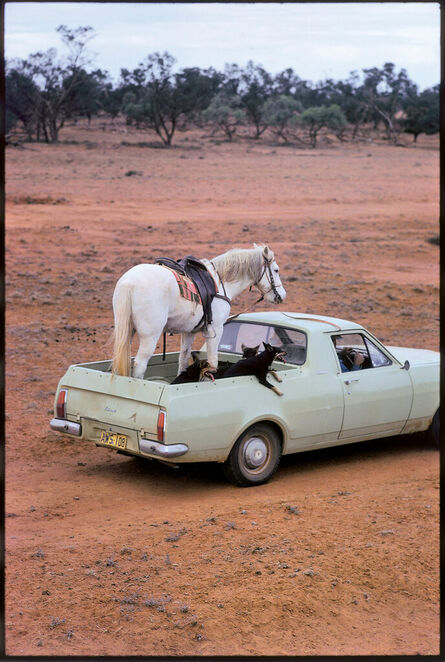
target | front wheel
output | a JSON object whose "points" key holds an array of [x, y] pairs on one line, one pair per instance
{"points": [[255, 456]]}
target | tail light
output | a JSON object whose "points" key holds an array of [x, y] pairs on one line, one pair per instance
{"points": [[162, 417], [61, 403]]}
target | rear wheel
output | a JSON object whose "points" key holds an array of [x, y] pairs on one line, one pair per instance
{"points": [[255, 456]]}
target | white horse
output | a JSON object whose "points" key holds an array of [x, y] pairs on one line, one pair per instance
{"points": [[147, 300]]}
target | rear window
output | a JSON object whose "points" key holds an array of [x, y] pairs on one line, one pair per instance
{"points": [[236, 334]]}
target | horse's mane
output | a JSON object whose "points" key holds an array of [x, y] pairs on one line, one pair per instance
{"points": [[238, 263]]}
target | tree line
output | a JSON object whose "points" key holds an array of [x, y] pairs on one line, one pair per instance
{"points": [[43, 92]]}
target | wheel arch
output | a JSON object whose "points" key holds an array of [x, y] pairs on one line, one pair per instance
{"points": [[276, 425]]}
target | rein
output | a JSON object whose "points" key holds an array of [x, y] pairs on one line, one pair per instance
{"points": [[217, 295], [273, 287]]}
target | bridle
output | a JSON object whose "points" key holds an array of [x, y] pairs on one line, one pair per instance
{"points": [[273, 288]]}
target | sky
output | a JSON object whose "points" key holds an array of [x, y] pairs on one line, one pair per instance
{"points": [[316, 40]]}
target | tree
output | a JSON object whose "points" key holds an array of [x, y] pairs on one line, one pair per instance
{"points": [[254, 89], [281, 113], [56, 81], [289, 84], [195, 89], [86, 97], [422, 113], [154, 102], [231, 80], [384, 93], [316, 118], [21, 100], [128, 88], [225, 112]]}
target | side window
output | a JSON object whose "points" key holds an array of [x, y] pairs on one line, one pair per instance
{"points": [[355, 352]]}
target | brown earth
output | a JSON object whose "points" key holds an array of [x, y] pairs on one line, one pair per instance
{"points": [[108, 555]]}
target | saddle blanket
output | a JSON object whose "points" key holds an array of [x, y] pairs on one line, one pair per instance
{"points": [[187, 287]]}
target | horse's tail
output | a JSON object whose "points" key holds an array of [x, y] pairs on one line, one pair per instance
{"points": [[123, 330]]}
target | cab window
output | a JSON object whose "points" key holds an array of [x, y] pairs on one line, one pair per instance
{"points": [[348, 345], [236, 334]]}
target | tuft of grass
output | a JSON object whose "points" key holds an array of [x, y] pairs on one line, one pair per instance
{"points": [[56, 621], [151, 144], [36, 200]]}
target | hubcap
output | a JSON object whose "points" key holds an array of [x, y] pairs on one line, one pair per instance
{"points": [[255, 453]]}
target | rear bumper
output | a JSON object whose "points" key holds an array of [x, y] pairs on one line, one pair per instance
{"points": [[68, 427], [161, 450], [145, 445]]}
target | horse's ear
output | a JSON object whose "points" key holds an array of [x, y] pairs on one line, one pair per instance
{"points": [[267, 253]]}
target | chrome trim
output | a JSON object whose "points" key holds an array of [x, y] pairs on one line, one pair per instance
{"points": [[161, 450], [69, 427]]}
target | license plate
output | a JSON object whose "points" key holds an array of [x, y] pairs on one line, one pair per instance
{"points": [[113, 439]]}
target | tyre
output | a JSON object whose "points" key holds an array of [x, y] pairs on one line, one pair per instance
{"points": [[434, 430], [255, 456]]}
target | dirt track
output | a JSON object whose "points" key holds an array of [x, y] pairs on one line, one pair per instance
{"points": [[107, 555]]}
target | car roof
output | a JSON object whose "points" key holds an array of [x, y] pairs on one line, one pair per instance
{"points": [[303, 321]]}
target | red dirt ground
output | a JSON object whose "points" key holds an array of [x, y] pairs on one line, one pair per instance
{"points": [[108, 555]]}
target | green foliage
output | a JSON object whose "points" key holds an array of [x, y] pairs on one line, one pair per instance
{"points": [[331, 117], [423, 113], [225, 112], [195, 90], [52, 85], [281, 114], [42, 91], [21, 101], [255, 87], [155, 102]]}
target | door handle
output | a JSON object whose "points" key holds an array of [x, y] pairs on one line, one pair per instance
{"points": [[350, 381]]}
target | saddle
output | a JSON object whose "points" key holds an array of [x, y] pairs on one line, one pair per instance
{"points": [[194, 269]]}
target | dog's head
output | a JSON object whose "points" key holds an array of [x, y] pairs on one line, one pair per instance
{"points": [[275, 353], [248, 352], [200, 369]]}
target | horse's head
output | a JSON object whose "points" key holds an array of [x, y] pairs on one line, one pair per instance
{"points": [[269, 282]]}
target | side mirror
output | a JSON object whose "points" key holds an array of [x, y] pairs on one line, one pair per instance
{"points": [[405, 366]]}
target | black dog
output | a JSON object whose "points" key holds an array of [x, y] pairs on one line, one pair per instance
{"points": [[257, 365], [253, 351], [197, 371], [247, 353]]}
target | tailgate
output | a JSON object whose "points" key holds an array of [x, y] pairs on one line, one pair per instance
{"points": [[122, 403]]}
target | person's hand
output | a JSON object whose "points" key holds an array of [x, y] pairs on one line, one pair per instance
{"points": [[358, 358]]}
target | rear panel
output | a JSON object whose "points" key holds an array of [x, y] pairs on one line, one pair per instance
{"points": [[114, 401]]}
